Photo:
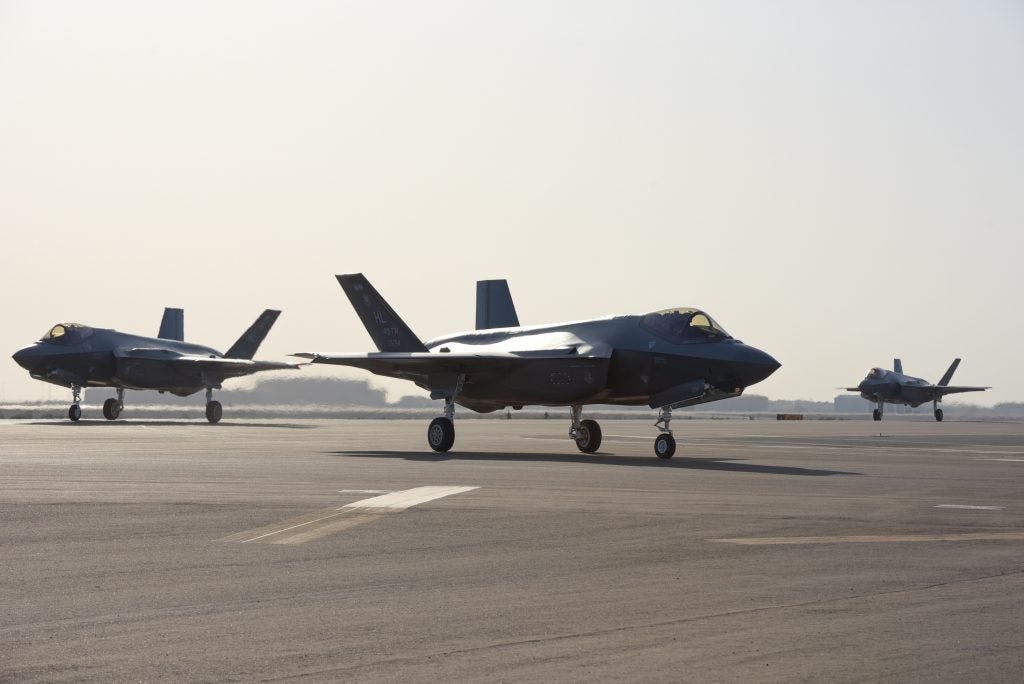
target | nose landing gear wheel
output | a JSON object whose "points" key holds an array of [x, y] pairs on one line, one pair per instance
{"points": [[74, 413], [214, 411], [938, 415], [665, 446], [588, 436], [441, 434], [876, 415], [111, 409]]}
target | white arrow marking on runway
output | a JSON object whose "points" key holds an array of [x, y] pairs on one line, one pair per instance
{"points": [[315, 525], [972, 508]]}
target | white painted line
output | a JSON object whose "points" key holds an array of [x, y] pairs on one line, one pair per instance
{"points": [[365, 491], [876, 539], [972, 508], [364, 509], [397, 501], [1005, 460]]}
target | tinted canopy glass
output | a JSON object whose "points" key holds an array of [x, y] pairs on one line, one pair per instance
{"points": [[684, 325], [65, 332]]}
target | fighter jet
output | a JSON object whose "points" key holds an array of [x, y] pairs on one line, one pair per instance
{"points": [[893, 387], [665, 359], [78, 356]]}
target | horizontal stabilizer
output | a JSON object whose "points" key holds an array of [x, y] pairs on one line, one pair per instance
{"points": [[251, 339], [494, 307], [388, 331], [172, 327], [949, 373]]}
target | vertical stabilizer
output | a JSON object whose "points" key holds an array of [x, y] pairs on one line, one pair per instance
{"points": [[494, 307], [949, 373], [172, 327], [249, 342], [897, 366], [388, 331]]}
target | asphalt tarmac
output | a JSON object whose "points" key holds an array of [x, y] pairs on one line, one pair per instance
{"points": [[346, 550]]}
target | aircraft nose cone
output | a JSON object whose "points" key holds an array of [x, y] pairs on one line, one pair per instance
{"points": [[22, 356], [755, 365]]}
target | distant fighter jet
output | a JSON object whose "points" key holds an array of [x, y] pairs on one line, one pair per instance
{"points": [[77, 356], [665, 359], [893, 387]]}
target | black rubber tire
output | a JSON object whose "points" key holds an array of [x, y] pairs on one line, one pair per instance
{"points": [[876, 415], [214, 411], [111, 409], [74, 413], [441, 434], [588, 439], [665, 446], [938, 415]]}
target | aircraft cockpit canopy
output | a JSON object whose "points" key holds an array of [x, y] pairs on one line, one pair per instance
{"points": [[876, 373], [65, 332], [684, 325]]}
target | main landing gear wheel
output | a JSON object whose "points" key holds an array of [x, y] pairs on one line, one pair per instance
{"points": [[441, 434], [876, 415], [74, 413], [111, 409], [588, 436], [938, 415], [665, 446], [214, 411]]}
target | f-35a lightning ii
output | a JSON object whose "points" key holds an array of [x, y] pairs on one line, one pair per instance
{"points": [[665, 359], [893, 387], [78, 356]]}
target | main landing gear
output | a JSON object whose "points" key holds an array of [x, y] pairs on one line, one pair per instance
{"points": [[214, 411], [75, 412], [665, 443], [938, 411], [441, 432], [112, 407], [586, 433]]}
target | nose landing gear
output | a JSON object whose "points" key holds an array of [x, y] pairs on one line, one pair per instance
{"points": [[665, 443], [877, 413], [75, 411]]}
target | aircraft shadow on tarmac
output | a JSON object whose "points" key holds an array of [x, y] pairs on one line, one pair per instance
{"points": [[154, 423], [722, 464]]}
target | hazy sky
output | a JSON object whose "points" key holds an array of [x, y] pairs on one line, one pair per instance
{"points": [[836, 183]]}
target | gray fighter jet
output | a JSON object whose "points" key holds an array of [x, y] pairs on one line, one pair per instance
{"points": [[893, 387], [665, 359], [78, 356]]}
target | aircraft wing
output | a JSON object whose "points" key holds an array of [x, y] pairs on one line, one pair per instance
{"points": [[417, 366], [941, 390], [224, 367]]}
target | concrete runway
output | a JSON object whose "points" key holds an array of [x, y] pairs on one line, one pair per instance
{"points": [[252, 551]]}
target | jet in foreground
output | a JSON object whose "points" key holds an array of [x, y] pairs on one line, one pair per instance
{"points": [[78, 356], [665, 359], [893, 387]]}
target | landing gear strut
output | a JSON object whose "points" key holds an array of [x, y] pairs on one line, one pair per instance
{"points": [[441, 432], [75, 412], [586, 433], [112, 407], [938, 411], [877, 413], [214, 411], [665, 443]]}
